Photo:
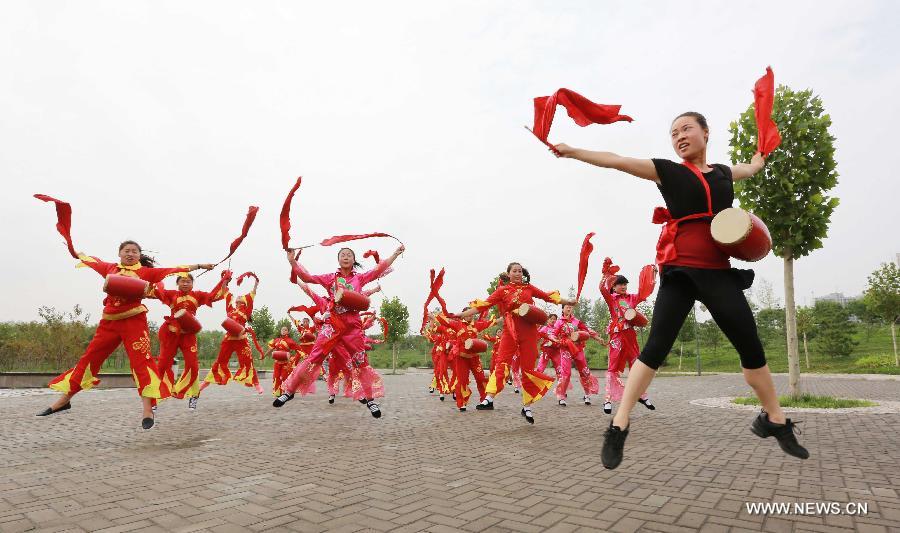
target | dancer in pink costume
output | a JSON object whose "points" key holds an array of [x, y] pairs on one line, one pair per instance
{"points": [[549, 346], [342, 333], [623, 343], [572, 352]]}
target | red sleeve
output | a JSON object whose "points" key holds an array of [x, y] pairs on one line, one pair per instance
{"points": [[95, 264], [319, 279], [154, 275], [214, 295], [163, 295], [552, 297], [604, 290]]}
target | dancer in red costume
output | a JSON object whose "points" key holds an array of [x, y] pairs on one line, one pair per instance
{"points": [[437, 335], [172, 337], [124, 321], [282, 369], [240, 310], [519, 337], [465, 362]]}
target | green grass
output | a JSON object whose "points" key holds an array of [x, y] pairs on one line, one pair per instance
{"points": [[810, 401]]}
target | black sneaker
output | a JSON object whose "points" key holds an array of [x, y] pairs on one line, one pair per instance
{"points": [[442, 397], [363, 401], [373, 408], [430, 390], [486, 405], [49, 411], [147, 423], [784, 433], [462, 409], [192, 403], [283, 399], [331, 398], [613, 444], [646, 403], [529, 417], [607, 408]]}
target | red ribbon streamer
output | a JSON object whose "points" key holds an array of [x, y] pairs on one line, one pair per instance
{"points": [[436, 283], [385, 328], [345, 238], [245, 275], [251, 216], [284, 218], [374, 255], [586, 249], [256, 342], [310, 310], [582, 111], [763, 101], [646, 282], [63, 220]]}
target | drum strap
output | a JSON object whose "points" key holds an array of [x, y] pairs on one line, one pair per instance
{"points": [[665, 247]]}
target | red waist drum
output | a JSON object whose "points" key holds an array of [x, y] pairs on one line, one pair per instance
{"points": [[741, 234], [232, 326], [579, 336], [351, 300], [280, 355], [532, 314], [187, 322], [125, 287], [475, 346]]}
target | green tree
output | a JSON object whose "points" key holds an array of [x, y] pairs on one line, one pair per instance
{"points": [[770, 325], [582, 309], [834, 329], [790, 195], [859, 309], [686, 334], [882, 297], [263, 324], [397, 316], [599, 316], [710, 334]]}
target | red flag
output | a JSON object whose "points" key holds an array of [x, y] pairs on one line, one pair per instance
{"points": [[763, 101], [586, 249], [284, 219], [251, 216], [245, 275], [256, 342], [345, 238], [63, 220], [582, 111], [373, 254], [646, 282]]}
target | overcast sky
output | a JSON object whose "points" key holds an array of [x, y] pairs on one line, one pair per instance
{"points": [[162, 121]]}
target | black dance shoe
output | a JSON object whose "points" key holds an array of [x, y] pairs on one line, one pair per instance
{"points": [[784, 433], [147, 423], [529, 417], [486, 405], [283, 399], [373, 408], [49, 411], [646, 403], [613, 446]]}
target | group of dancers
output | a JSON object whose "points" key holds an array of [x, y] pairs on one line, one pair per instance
{"points": [[690, 266]]}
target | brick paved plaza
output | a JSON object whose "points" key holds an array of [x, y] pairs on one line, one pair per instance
{"points": [[238, 464]]}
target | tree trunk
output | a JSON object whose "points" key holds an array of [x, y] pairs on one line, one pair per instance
{"points": [[790, 323], [805, 350], [680, 355], [394, 358], [894, 338]]}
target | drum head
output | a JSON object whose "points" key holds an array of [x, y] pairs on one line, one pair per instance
{"points": [[180, 313], [731, 226], [630, 314]]}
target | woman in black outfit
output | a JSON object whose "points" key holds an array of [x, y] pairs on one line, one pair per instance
{"points": [[693, 268]]}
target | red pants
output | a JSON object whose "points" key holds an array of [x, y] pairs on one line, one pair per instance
{"points": [[337, 373], [169, 344], [549, 355], [280, 371], [524, 346], [246, 374], [339, 343], [441, 380], [464, 365], [133, 333]]}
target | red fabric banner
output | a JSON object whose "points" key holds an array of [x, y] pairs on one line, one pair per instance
{"points": [[586, 249], [345, 238], [251, 216], [245, 275], [582, 111], [373, 254], [763, 101], [284, 220], [63, 220]]}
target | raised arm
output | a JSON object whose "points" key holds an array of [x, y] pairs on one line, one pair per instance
{"points": [[743, 171], [641, 168]]}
